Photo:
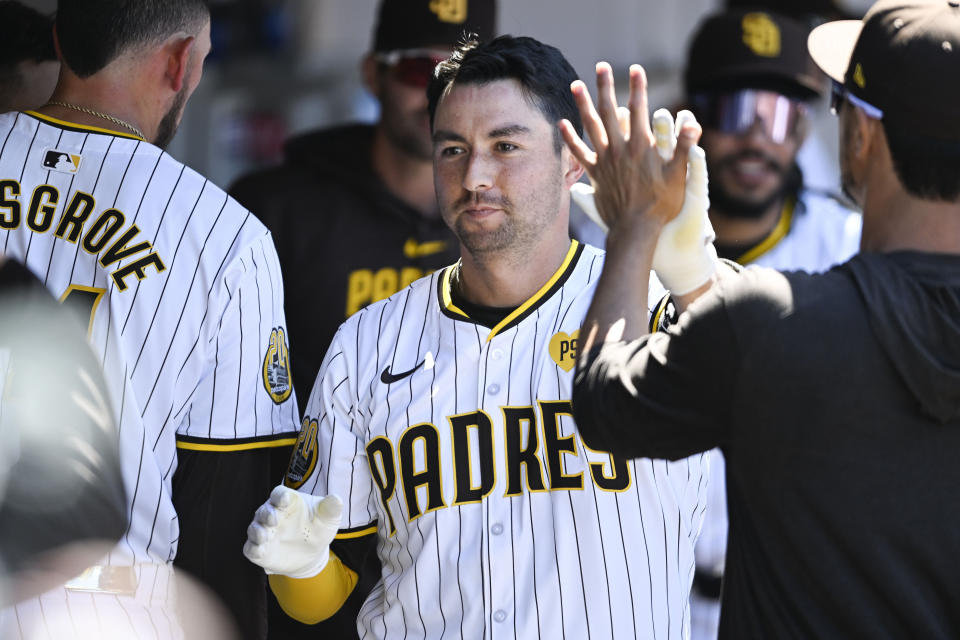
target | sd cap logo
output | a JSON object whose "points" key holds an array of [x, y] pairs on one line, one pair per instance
{"points": [[276, 367], [453, 11], [61, 161], [563, 349], [761, 34]]}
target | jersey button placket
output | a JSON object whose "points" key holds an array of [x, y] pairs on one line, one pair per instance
{"points": [[494, 388]]}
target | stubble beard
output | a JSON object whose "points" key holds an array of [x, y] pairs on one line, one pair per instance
{"points": [[167, 128]]}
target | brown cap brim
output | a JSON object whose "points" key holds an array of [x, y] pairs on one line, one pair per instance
{"points": [[831, 45]]}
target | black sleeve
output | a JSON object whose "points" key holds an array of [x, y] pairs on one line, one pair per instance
{"points": [[60, 476], [216, 493], [667, 395]]}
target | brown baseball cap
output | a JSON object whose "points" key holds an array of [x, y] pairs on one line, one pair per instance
{"points": [[744, 49], [413, 24], [903, 58]]}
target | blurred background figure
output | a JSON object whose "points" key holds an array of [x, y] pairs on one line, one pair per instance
{"points": [[752, 85], [62, 501], [352, 208], [28, 61]]}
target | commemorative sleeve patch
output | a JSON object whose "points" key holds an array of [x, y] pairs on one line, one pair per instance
{"points": [[276, 367], [303, 460]]}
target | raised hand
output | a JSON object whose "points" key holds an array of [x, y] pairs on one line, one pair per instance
{"points": [[291, 533], [633, 183]]}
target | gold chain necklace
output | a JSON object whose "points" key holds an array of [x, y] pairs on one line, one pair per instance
{"points": [[91, 112]]}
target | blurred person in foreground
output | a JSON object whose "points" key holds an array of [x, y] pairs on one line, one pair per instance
{"points": [[352, 209], [28, 61], [752, 85], [62, 501], [834, 397]]}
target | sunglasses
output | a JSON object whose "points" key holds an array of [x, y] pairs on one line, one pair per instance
{"points": [[411, 67], [736, 112], [840, 94]]}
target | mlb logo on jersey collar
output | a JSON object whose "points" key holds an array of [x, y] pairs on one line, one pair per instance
{"points": [[61, 161]]}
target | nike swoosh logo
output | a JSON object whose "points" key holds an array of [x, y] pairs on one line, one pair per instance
{"points": [[413, 249], [387, 378]]}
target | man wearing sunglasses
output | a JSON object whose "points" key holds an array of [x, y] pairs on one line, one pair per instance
{"points": [[752, 85], [353, 211]]}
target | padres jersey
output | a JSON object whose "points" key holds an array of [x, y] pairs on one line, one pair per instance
{"points": [[455, 443], [180, 289], [812, 235]]}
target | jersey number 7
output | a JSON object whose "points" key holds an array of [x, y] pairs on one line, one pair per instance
{"points": [[83, 301]]}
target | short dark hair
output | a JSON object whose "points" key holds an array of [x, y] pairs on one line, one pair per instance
{"points": [[927, 168], [93, 33], [542, 71]]}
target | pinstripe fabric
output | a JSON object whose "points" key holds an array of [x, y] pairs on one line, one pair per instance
{"points": [[183, 335], [531, 561]]}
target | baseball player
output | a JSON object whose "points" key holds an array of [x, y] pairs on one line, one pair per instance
{"points": [[180, 292], [440, 423]]}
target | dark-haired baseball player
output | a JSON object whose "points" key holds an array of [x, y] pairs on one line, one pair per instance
{"points": [[440, 428]]}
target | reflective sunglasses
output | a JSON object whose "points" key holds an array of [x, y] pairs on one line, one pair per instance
{"points": [[412, 67], [840, 94], [735, 112]]}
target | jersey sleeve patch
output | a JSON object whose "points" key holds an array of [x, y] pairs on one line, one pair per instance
{"points": [[276, 367], [303, 460], [237, 444]]}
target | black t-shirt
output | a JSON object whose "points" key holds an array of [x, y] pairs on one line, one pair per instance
{"points": [[836, 401]]}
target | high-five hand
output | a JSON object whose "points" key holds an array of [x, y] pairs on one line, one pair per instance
{"points": [[633, 183]]}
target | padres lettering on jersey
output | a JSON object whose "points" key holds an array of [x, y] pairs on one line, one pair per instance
{"points": [[456, 444], [181, 290]]}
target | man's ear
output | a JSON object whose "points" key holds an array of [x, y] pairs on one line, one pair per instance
{"points": [[177, 52], [572, 169], [370, 70]]}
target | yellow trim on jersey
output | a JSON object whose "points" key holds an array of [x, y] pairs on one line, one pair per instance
{"points": [[519, 311], [246, 446], [776, 235], [572, 251], [84, 127], [356, 534], [445, 290], [312, 600]]}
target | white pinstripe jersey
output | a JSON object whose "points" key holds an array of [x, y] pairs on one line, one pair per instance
{"points": [[183, 291], [456, 444]]}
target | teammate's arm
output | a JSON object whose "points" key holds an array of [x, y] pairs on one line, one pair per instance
{"points": [[329, 460], [243, 416]]}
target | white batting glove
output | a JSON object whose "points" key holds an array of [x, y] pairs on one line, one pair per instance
{"points": [[685, 257], [291, 533]]}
